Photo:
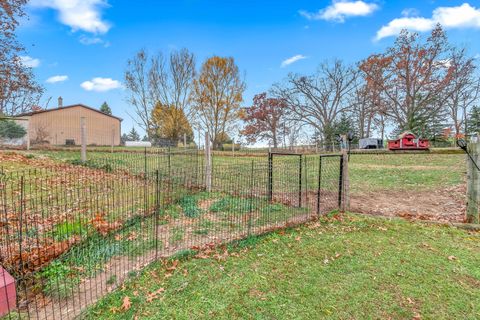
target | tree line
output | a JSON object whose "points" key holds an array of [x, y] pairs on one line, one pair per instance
{"points": [[419, 84]]}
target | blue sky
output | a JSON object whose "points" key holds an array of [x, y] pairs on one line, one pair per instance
{"points": [[79, 48]]}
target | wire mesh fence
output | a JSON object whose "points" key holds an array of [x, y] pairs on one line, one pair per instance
{"points": [[72, 232]]}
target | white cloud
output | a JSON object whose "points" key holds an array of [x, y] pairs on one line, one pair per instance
{"points": [[83, 15], [396, 25], [463, 16], [410, 12], [291, 60], [29, 62], [477, 56], [101, 84], [89, 40], [339, 10], [56, 79]]}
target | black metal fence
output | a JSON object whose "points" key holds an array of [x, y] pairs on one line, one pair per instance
{"points": [[71, 232]]}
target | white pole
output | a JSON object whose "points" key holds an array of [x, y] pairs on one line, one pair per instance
{"points": [[83, 133]]}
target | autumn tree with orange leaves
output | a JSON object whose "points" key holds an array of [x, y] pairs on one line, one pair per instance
{"points": [[171, 123], [265, 119], [411, 77], [216, 97], [18, 89]]}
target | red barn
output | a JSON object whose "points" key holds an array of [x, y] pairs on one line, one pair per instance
{"points": [[408, 141]]}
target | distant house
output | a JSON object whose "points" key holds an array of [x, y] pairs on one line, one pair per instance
{"points": [[62, 126]]}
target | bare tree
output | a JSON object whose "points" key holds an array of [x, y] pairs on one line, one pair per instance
{"points": [[363, 110], [463, 88], [156, 80], [318, 99], [18, 89]]}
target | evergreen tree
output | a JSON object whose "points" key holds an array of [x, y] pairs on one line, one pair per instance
{"points": [[145, 138], [11, 130], [133, 135], [105, 108], [473, 121], [123, 138]]}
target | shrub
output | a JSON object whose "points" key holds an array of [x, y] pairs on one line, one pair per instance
{"points": [[11, 130]]}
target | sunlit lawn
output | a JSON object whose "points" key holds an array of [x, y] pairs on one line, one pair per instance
{"points": [[348, 268]]}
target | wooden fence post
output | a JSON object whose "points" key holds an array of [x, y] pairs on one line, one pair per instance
{"points": [[473, 184], [208, 163], [345, 206]]}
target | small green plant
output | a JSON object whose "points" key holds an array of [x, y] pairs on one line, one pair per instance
{"points": [[183, 254], [229, 204], [112, 280], [59, 280], [190, 207], [65, 230]]}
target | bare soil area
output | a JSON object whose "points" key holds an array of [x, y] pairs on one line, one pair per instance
{"points": [[445, 205]]}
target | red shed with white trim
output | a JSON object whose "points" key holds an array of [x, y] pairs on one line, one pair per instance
{"points": [[408, 141]]}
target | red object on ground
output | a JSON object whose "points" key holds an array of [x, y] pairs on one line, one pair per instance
{"points": [[408, 141], [8, 294]]}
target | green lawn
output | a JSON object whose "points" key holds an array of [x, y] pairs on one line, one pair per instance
{"points": [[345, 267], [368, 172]]}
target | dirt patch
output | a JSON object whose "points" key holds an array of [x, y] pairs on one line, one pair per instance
{"points": [[205, 204], [446, 205]]}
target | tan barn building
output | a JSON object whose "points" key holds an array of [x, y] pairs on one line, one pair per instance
{"points": [[62, 126]]}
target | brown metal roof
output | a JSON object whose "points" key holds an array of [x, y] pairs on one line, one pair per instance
{"points": [[65, 107]]}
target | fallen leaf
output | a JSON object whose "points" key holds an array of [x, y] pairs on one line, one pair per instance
{"points": [[126, 303], [451, 258], [153, 295]]}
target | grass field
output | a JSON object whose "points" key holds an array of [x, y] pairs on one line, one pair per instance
{"points": [[115, 218], [367, 171], [343, 267], [65, 222]]}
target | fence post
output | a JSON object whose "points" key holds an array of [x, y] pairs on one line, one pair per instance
{"points": [[300, 181], [345, 183], [473, 184], [145, 162], [83, 137], [319, 184], [340, 183], [157, 210], [208, 163], [270, 176]]}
